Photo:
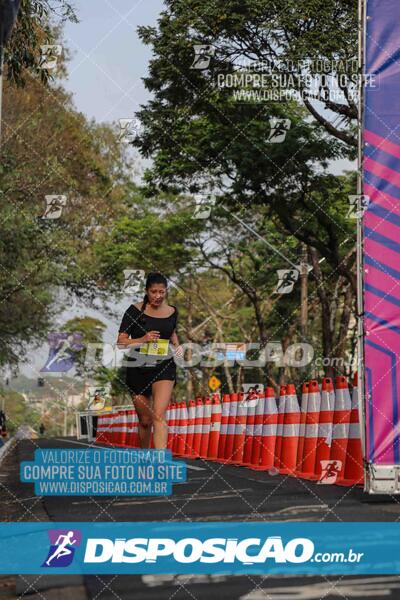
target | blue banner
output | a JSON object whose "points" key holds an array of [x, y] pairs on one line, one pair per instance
{"points": [[210, 548]]}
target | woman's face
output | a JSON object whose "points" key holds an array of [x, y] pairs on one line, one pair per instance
{"points": [[157, 293]]}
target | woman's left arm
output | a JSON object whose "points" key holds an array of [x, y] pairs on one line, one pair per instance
{"points": [[175, 342], [174, 339]]}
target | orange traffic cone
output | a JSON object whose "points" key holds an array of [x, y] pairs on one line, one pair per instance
{"points": [[290, 432], [269, 429], [325, 426], [250, 427], [198, 426], [119, 428], [102, 429], [353, 469], [258, 425], [190, 429], [130, 414], [205, 430], [173, 415], [279, 431], [168, 416], [182, 427], [307, 469], [224, 426], [215, 427], [302, 430], [240, 431], [230, 434], [109, 433], [341, 426]]}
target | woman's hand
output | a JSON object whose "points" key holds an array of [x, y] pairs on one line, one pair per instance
{"points": [[151, 336], [179, 351]]}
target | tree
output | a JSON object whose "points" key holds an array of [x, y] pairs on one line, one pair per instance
{"points": [[51, 149], [38, 23], [91, 331], [291, 40]]}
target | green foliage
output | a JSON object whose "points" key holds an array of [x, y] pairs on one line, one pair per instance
{"points": [[18, 411], [38, 23], [49, 148]]}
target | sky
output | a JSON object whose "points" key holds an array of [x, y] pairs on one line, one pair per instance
{"points": [[108, 59]]}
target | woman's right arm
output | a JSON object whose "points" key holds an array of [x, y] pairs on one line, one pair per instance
{"points": [[124, 340]]}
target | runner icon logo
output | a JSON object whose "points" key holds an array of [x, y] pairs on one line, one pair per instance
{"points": [[62, 547], [330, 469]]}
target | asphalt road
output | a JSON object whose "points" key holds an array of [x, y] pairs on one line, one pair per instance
{"points": [[212, 492]]}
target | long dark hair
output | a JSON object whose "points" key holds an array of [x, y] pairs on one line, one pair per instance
{"points": [[150, 280]]}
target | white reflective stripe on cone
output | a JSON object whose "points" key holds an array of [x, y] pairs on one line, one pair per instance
{"points": [[314, 402], [281, 411], [302, 430], [343, 400], [311, 430], [291, 404], [225, 409], [325, 430], [207, 410], [354, 431], [340, 431], [172, 426], [231, 428], [191, 417], [269, 430], [258, 429], [185, 414], [224, 428], [249, 429], [260, 406], [327, 401], [216, 426], [180, 429], [198, 429], [291, 430]]}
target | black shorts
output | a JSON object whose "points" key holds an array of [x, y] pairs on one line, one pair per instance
{"points": [[140, 379]]}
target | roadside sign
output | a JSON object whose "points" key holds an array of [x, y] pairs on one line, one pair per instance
{"points": [[214, 383]]}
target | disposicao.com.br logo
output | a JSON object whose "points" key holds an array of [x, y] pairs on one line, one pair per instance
{"points": [[62, 547], [248, 551]]}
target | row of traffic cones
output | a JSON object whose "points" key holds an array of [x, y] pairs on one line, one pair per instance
{"points": [[319, 440]]}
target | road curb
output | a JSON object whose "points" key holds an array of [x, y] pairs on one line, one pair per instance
{"points": [[7, 448]]}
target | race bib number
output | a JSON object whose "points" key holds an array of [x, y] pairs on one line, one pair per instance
{"points": [[156, 348]]}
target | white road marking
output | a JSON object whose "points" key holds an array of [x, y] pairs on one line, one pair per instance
{"points": [[181, 498]]}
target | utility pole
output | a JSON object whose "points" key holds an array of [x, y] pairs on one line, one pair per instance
{"points": [[303, 293], [189, 382], [8, 16], [1, 84]]}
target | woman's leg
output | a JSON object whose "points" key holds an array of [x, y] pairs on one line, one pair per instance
{"points": [[144, 412], [162, 391]]}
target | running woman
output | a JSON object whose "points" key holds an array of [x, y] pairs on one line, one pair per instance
{"points": [[150, 327]]}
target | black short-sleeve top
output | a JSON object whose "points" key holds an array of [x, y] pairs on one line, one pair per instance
{"points": [[137, 324]]}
